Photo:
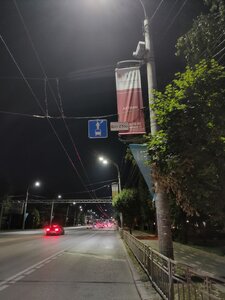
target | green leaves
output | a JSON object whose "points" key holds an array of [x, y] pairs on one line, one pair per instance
{"points": [[127, 203], [125, 200], [188, 152], [204, 39]]}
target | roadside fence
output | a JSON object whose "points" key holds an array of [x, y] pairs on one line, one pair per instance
{"points": [[174, 280]]}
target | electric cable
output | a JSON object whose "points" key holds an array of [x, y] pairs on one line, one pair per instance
{"points": [[46, 98], [175, 17], [41, 108], [170, 11], [61, 117], [214, 46], [220, 59], [156, 10], [99, 182], [43, 71], [42, 68], [219, 52]]}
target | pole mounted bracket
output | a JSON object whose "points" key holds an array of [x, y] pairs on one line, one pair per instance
{"points": [[129, 63], [140, 51]]}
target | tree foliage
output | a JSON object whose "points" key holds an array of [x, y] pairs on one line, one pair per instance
{"points": [[33, 219], [206, 37], [188, 152], [127, 203], [147, 210], [146, 217]]}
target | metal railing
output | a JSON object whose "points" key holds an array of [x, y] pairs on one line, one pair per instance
{"points": [[174, 280]]}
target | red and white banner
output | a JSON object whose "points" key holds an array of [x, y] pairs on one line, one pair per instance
{"points": [[129, 100]]}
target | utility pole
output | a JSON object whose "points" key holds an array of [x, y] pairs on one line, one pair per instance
{"points": [[25, 208], [67, 214], [1, 214], [161, 201], [51, 214]]}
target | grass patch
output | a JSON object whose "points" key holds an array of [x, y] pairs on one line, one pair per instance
{"points": [[218, 250]]}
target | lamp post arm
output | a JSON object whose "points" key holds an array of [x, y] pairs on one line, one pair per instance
{"points": [[142, 4]]}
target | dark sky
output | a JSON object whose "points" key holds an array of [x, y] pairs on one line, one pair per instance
{"points": [[79, 42]]}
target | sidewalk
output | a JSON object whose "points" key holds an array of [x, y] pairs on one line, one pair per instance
{"points": [[198, 259]]}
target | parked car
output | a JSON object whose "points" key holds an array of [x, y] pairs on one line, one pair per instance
{"points": [[54, 229]]}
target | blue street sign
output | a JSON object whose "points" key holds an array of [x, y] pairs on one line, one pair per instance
{"points": [[97, 129]]}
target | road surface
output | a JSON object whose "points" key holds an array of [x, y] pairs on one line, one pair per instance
{"points": [[82, 264]]}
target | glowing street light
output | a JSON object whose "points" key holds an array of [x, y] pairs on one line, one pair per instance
{"points": [[37, 184]]}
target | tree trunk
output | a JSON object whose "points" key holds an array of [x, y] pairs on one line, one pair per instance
{"points": [[131, 225], [163, 222]]}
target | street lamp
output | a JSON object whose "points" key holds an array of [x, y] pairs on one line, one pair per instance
{"points": [[35, 184], [105, 161]]}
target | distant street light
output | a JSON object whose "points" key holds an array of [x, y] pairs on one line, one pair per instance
{"points": [[105, 161], [35, 184], [59, 196]]}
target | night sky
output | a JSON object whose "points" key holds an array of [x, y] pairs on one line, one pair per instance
{"points": [[76, 45]]}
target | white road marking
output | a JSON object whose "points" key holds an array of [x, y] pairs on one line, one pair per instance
{"points": [[5, 284], [3, 287], [38, 267], [17, 279], [29, 270]]}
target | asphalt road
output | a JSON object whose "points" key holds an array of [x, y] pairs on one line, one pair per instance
{"points": [[82, 264]]}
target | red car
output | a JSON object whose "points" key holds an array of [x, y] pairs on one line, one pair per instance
{"points": [[54, 229]]}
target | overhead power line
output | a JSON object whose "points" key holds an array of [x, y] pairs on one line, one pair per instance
{"points": [[41, 108], [157, 8], [169, 12], [174, 18], [62, 117], [46, 81], [59, 106]]}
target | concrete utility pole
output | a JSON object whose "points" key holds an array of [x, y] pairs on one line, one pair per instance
{"points": [[162, 205], [51, 214], [25, 209], [1, 214]]}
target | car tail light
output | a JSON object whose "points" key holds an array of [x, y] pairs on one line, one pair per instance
{"points": [[56, 229], [48, 229]]}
